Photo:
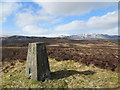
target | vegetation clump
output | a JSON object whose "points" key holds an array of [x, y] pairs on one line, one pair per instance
{"points": [[64, 74]]}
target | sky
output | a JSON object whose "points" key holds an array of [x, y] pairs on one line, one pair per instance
{"points": [[58, 18]]}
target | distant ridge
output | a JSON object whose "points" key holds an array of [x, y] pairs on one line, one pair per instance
{"points": [[92, 36], [18, 37], [78, 36]]}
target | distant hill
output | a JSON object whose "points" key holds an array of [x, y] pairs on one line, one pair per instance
{"points": [[21, 41], [61, 38], [92, 36], [17, 37]]}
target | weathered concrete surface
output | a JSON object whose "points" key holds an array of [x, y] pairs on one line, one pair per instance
{"points": [[37, 65]]}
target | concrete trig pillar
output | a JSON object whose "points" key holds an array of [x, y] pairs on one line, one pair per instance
{"points": [[37, 65]]}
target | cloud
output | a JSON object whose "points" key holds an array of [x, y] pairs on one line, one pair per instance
{"points": [[99, 24], [33, 29], [23, 19], [7, 9], [60, 0], [74, 25], [71, 8], [112, 31], [30, 22], [31, 18], [103, 23], [53, 35], [33, 22], [110, 20]]}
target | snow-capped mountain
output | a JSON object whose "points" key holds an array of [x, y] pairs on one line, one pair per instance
{"points": [[92, 36], [79, 36]]}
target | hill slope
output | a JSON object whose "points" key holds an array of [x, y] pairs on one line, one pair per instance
{"points": [[65, 74]]}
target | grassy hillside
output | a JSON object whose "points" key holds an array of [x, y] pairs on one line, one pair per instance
{"points": [[65, 74]]}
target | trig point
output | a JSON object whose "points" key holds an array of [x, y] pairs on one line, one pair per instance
{"points": [[37, 65]]}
